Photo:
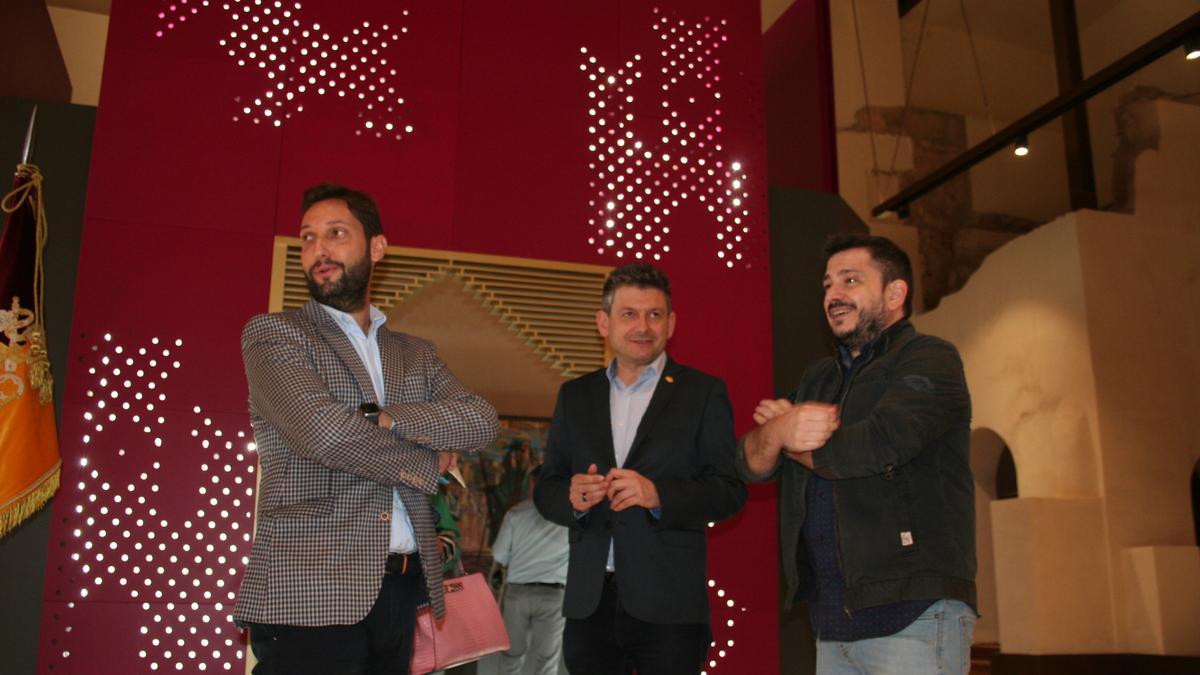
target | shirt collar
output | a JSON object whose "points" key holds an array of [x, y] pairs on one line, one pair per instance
{"points": [[650, 372], [350, 326], [848, 360]]}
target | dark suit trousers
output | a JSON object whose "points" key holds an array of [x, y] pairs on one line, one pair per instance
{"points": [[611, 642], [380, 644]]}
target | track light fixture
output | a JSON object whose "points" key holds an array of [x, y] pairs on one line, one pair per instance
{"points": [[1191, 46], [1021, 145]]}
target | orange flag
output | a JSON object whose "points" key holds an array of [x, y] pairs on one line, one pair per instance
{"points": [[29, 461]]}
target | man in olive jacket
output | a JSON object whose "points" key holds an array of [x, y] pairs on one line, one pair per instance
{"points": [[877, 522]]}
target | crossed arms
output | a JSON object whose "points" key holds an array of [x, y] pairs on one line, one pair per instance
{"points": [[924, 396], [289, 393]]}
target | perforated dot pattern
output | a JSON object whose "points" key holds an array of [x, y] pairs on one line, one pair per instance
{"points": [[724, 612], [127, 544], [300, 60], [643, 166]]}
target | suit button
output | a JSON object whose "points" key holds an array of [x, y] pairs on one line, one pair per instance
{"points": [[385, 516]]}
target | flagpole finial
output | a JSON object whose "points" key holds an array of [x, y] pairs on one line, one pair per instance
{"points": [[28, 147]]}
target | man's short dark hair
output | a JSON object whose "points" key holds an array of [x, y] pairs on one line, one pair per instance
{"points": [[639, 275], [893, 262], [359, 203]]}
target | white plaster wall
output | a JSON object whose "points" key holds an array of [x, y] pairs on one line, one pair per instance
{"points": [[1080, 346], [1163, 597], [1032, 187], [1052, 576], [1021, 326], [1016, 53], [1144, 309], [866, 177], [879, 26], [1124, 26], [1018, 76]]}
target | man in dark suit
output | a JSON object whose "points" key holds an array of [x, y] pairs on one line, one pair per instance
{"points": [[639, 460], [353, 423]]}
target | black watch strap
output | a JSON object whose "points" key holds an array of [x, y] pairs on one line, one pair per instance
{"points": [[370, 411]]}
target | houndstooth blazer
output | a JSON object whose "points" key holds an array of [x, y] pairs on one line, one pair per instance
{"points": [[325, 490]]}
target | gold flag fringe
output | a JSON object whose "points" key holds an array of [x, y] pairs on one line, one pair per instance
{"points": [[30, 501], [33, 498]]}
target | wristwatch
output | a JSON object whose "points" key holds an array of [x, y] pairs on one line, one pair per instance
{"points": [[371, 412]]}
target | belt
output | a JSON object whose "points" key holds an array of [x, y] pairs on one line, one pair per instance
{"points": [[402, 563], [547, 584]]}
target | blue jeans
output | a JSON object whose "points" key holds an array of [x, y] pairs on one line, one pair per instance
{"points": [[939, 641]]}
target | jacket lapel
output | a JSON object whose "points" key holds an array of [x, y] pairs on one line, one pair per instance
{"points": [[333, 336], [603, 415], [658, 402]]}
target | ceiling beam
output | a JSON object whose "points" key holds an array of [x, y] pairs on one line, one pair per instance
{"points": [[1105, 78], [907, 6], [1077, 142]]}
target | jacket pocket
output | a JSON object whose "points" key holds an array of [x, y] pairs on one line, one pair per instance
{"points": [[305, 510]]}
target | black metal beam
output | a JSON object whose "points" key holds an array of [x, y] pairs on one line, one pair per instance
{"points": [[907, 6], [1077, 142], [1113, 73]]}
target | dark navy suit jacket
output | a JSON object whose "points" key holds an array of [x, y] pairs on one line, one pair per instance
{"points": [[685, 446]]}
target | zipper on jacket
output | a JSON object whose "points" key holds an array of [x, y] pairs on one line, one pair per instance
{"points": [[838, 547], [833, 488]]}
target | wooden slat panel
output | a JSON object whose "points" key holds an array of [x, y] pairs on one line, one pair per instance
{"points": [[550, 305]]}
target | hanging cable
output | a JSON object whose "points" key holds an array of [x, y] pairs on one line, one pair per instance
{"points": [[987, 108], [862, 66], [912, 76]]}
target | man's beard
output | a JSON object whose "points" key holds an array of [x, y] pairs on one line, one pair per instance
{"points": [[872, 321], [348, 293]]}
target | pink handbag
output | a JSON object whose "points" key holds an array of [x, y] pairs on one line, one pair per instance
{"points": [[472, 628]]}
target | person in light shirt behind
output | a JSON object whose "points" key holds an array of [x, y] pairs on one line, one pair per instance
{"points": [[534, 552]]}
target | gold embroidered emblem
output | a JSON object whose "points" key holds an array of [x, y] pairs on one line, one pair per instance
{"points": [[25, 345]]}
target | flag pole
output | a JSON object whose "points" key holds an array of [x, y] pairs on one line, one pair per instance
{"points": [[27, 148]]}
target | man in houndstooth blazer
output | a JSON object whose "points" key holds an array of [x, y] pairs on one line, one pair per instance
{"points": [[353, 423]]}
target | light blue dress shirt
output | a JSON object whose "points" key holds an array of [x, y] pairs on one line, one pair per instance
{"points": [[533, 549], [627, 405], [403, 540]]}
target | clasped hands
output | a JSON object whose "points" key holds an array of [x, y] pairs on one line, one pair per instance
{"points": [[799, 428], [624, 488]]}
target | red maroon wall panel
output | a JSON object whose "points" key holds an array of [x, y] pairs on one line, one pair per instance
{"points": [[478, 127]]}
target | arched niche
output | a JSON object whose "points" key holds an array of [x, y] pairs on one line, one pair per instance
{"points": [[993, 464]]}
